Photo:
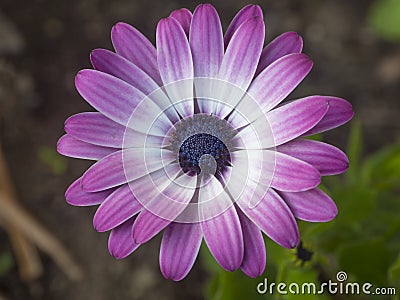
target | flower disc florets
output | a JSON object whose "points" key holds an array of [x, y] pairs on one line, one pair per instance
{"points": [[200, 135]]}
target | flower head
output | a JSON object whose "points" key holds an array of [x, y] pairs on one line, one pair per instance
{"points": [[191, 138]]}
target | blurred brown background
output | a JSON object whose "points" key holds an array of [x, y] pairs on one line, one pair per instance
{"points": [[43, 43]]}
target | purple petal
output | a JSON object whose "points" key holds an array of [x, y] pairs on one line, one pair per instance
{"points": [[116, 65], [111, 96], [75, 195], [254, 258], [255, 134], [247, 12], [287, 43], [312, 206], [184, 17], [94, 128], [241, 56], [118, 101], [170, 201], [69, 146], [206, 41], [279, 79], [295, 118], [223, 233], [179, 248], [134, 46], [274, 218], [148, 187], [147, 225], [116, 209], [257, 165], [175, 64], [106, 173], [120, 242], [328, 159], [340, 111], [121, 167], [240, 62], [294, 175]]}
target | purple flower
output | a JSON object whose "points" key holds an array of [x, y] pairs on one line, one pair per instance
{"points": [[191, 137]]}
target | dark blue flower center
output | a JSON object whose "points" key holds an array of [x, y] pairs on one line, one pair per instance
{"points": [[197, 145]]}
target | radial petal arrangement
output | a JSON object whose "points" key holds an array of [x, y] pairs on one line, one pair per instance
{"points": [[193, 138]]}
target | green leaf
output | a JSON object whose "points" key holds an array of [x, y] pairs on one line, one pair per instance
{"points": [[315, 137], [384, 168], [307, 282], [354, 150], [394, 272], [236, 285], [384, 17], [355, 202], [208, 260], [367, 260]]}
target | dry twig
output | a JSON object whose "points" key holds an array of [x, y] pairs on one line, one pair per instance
{"points": [[20, 220]]}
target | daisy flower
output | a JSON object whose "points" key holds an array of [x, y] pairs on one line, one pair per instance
{"points": [[191, 138]]}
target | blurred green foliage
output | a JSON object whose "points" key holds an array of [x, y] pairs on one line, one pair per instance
{"points": [[53, 160], [6, 263], [363, 240], [384, 17]]}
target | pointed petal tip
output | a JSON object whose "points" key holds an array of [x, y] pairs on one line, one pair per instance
{"points": [[307, 60], [113, 253], [119, 26], [231, 265], [70, 191], [72, 147], [118, 254], [59, 144], [70, 122], [120, 244], [293, 243], [89, 181], [253, 273], [75, 195], [311, 206], [345, 107], [295, 36], [141, 237], [98, 224], [333, 214], [170, 275], [206, 5], [80, 77], [255, 19], [205, 8], [165, 21], [255, 10], [286, 179], [300, 57], [85, 185], [94, 54], [340, 169], [138, 237]]}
